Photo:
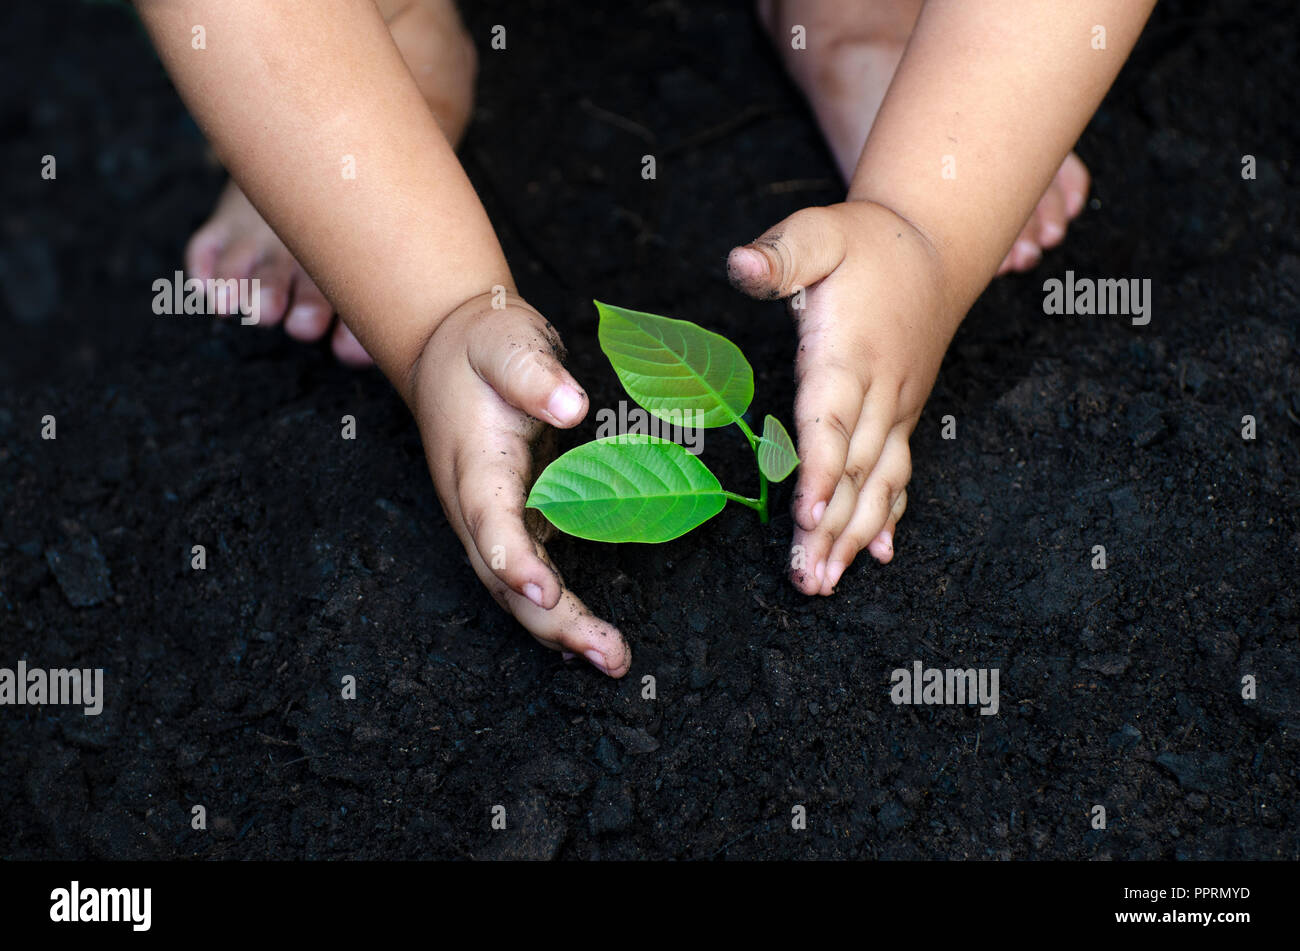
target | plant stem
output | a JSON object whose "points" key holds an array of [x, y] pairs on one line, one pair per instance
{"points": [[760, 504], [755, 504], [749, 433]]}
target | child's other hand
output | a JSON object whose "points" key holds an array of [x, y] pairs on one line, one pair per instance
{"points": [[485, 388], [872, 332]]}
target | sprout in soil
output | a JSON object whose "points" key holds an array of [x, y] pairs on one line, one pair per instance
{"points": [[640, 488]]}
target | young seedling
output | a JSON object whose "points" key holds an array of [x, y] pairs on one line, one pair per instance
{"points": [[640, 488]]}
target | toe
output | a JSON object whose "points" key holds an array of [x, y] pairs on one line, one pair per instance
{"points": [[203, 251], [1050, 217], [347, 348], [310, 313], [1074, 182], [1026, 253], [235, 263], [274, 278]]}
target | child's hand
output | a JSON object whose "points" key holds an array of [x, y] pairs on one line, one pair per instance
{"points": [[873, 329], [486, 386]]}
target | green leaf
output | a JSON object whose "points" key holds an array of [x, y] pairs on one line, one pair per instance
{"points": [[675, 369], [776, 455], [628, 488]]}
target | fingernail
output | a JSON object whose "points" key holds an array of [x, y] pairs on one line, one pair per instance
{"points": [[882, 545], [597, 660], [818, 511], [1073, 203], [565, 403], [533, 593], [834, 571], [1052, 232]]}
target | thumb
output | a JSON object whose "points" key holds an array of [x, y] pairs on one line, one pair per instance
{"points": [[520, 359], [798, 252]]}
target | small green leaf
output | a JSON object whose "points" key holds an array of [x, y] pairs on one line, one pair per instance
{"points": [[776, 455], [675, 369], [629, 488]]}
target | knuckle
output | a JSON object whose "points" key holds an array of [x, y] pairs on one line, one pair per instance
{"points": [[857, 474], [882, 499], [474, 517], [816, 219], [835, 422], [904, 475]]}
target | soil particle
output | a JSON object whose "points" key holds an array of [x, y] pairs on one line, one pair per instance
{"points": [[81, 571]]}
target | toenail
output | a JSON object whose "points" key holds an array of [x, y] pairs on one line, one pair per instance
{"points": [[1073, 203], [818, 511], [533, 593], [565, 404], [1026, 252], [597, 660], [1052, 232], [300, 319]]}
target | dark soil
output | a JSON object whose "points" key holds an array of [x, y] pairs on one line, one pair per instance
{"points": [[326, 558]]}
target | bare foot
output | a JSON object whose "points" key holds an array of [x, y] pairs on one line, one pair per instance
{"points": [[237, 243], [852, 50]]}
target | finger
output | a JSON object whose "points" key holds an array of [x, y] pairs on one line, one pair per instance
{"points": [[798, 252], [310, 313], [274, 276], [826, 411], [864, 456], [874, 504], [491, 496], [569, 626], [347, 348], [882, 546], [522, 363]]}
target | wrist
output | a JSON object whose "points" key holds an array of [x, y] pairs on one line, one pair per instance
{"points": [[914, 254], [438, 337]]}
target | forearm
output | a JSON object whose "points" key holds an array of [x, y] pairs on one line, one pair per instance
{"points": [[293, 94], [987, 102]]}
